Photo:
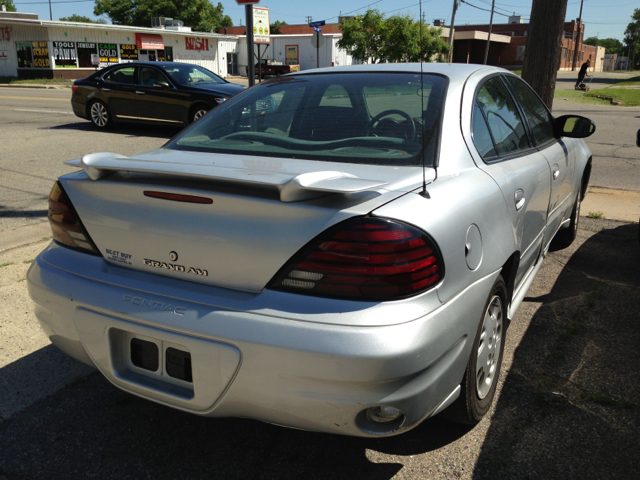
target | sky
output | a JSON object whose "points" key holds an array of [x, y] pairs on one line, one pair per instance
{"points": [[602, 18]]}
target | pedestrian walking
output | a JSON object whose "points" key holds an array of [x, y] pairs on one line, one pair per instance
{"points": [[583, 72]]}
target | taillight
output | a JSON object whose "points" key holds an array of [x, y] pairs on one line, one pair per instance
{"points": [[74, 89], [371, 258], [66, 225]]}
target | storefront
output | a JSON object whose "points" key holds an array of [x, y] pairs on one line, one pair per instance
{"points": [[46, 49]]}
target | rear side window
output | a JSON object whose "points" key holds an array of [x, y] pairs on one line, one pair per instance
{"points": [[504, 120], [540, 120], [481, 135], [121, 75]]}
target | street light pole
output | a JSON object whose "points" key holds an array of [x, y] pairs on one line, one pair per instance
{"points": [[251, 70], [486, 50]]}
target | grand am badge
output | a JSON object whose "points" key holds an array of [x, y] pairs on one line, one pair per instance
{"points": [[176, 268]]}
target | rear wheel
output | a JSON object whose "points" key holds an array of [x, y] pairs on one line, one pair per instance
{"points": [[198, 112], [99, 115], [480, 380]]}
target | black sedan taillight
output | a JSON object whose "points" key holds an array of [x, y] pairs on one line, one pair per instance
{"points": [[370, 258], [66, 225]]}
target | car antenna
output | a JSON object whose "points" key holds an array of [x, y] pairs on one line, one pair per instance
{"points": [[424, 192]]}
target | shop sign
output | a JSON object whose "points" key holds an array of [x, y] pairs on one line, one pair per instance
{"points": [[4, 55], [5, 34], [85, 53], [108, 53], [291, 52], [261, 25], [40, 54], [128, 53], [199, 44], [64, 54]]}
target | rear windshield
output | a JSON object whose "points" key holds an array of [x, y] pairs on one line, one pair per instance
{"points": [[367, 118]]}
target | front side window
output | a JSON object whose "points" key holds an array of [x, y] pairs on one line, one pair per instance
{"points": [[365, 118], [503, 118], [540, 120], [124, 75], [188, 75]]}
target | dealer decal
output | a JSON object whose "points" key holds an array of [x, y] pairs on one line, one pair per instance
{"points": [[119, 257]]}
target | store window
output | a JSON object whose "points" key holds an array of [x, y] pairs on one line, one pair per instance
{"points": [[25, 55], [128, 53], [85, 50], [65, 55]]}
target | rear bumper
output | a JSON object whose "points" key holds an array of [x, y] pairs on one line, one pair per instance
{"points": [[79, 108], [301, 374]]}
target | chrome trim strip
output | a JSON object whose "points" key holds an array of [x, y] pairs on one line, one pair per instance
{"points": [[151, 119]]}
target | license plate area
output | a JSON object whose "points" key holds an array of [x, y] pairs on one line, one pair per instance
{"points": [[159, 359]]}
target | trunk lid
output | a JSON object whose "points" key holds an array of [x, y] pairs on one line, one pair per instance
{"points": [[262, 210]]}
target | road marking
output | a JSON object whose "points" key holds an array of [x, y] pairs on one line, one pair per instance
{"points": [[41, 111], [40, 98]]}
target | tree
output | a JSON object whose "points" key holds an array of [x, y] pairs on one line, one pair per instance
{"points": [[631, 37], [274, 27], [372, 37], [81, 19], [200, 15], [542, 54], [611, 45], [9, 4]]}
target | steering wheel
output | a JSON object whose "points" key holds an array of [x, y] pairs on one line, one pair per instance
{"points": [[386, 113]]}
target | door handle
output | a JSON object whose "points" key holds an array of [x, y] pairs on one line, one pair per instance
{"points": [[139, 92], [519, 199], [106, 89], [556, 171]]}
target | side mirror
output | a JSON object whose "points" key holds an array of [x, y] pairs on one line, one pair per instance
{"points": [[638, 138], [573, 126], [161, 84]]}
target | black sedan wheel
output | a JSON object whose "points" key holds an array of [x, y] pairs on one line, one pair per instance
{"points": [[198, 112], [100, 115]]}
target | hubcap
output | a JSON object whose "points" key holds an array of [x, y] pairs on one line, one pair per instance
{"points": [[489, 347], [199, 114], [99, 114]]}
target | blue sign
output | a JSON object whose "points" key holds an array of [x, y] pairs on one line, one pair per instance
{"points": [[317, 24], [317, 29]]}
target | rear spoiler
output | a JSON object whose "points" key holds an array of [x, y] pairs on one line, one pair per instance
{"points": [[292, 188]]}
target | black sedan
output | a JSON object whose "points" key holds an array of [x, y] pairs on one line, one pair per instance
{"points": [[149, 92]]}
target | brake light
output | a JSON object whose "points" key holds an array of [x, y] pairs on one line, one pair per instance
{"points": [[371, 258], [74, 89], [66, 225]]}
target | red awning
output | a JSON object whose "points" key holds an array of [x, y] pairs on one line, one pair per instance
{"points": [[149, 42]]}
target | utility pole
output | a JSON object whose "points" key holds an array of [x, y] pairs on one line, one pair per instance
{"points": [[486, 50], [576, 45], [251, 70], [452, 30], [309, 19]]}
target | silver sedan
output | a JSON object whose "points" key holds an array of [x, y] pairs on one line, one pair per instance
{"points": [[339, 250]]}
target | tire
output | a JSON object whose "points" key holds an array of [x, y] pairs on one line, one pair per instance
{"points": [[99, 115], [565, 237], [198, 112], [480, 380]]}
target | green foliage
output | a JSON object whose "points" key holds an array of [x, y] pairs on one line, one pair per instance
{"points": [[9, 4], [81, 18], [632, 36], [274, 27], [200, 15], [612, 45], [373, 38]]}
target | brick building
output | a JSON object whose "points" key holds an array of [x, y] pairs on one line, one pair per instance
{"points": [[511, 54]]}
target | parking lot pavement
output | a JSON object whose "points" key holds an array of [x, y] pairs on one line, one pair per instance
{"points": [[567, 403]]}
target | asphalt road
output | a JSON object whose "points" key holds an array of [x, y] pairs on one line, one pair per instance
{"points": [[38, 132]]}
